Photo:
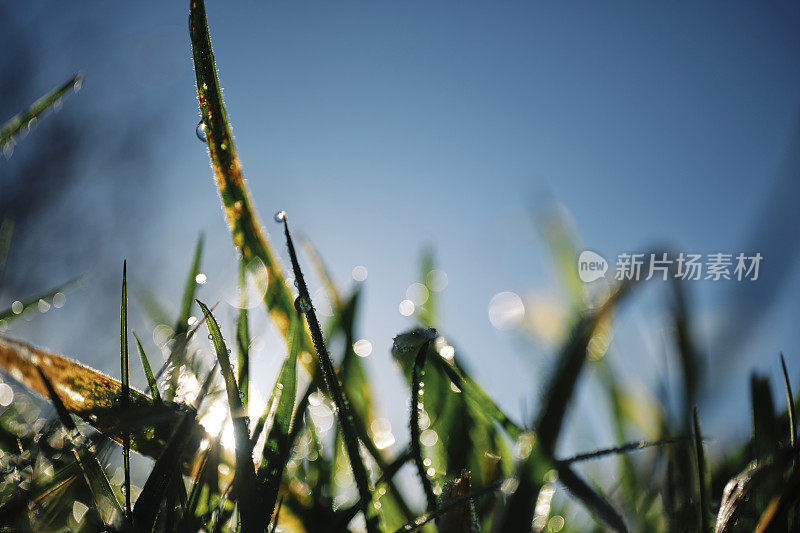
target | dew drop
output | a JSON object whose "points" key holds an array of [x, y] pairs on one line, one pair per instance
{"points": [[302, 304], [200, 131], [280, 216]]}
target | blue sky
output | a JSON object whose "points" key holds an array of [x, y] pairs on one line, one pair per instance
{"points": [[381, 127]]}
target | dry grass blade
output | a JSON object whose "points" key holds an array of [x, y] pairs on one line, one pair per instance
{"points": [[104, 498], [246, 229], [94, 397]]}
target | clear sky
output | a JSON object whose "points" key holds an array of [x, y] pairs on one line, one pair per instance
{"points": [[381, 127]]}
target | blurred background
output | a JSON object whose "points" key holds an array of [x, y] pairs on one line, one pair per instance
{"points": [[385, 129]]}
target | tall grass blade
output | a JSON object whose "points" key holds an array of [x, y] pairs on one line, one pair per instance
{"points": [[790, 401], [245, 471], [181, 328], [243, 340], [702, 486], [247, 232], [278, 445], [11, 128], [126, 396], [189, 289], [416, 408], [152, 384], [534, 465], [569, 366], [304, 305], [592, 499]]}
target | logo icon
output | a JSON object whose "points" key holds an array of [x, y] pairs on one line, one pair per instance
{"points": [[591, 266]]}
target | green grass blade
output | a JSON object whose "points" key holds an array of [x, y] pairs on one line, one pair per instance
{"points": [[245, 471], [591, 499], [243, 341], [11, 128], [569, 366], [322, 271], [532, 468], [10, 314], [790, 400], [278, 447], [766, 436], [700, 461], [148, 371], [622, 449], [189, 290], [126, 396], [152, 307], [687, 352], [181, 328], [162, 477], [349, 434], [416, 408], [427, 313]]}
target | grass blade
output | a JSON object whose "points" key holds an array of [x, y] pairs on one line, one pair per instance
{"points": [[790, 400], [569, 367], [700, 459], [148, 371], [278, 446], [416, 408], [304, 305], [243, 340], [622, 449], [8, 315], [189, 290], [178, 351], [163, 475], [245, 471], [94, 397], [417, 524], [126, 396], [247, 232], [591, 499], [11, 128], [96, 480]]}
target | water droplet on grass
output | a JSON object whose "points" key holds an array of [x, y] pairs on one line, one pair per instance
{"points": [[280, 216], [200, 131]]}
